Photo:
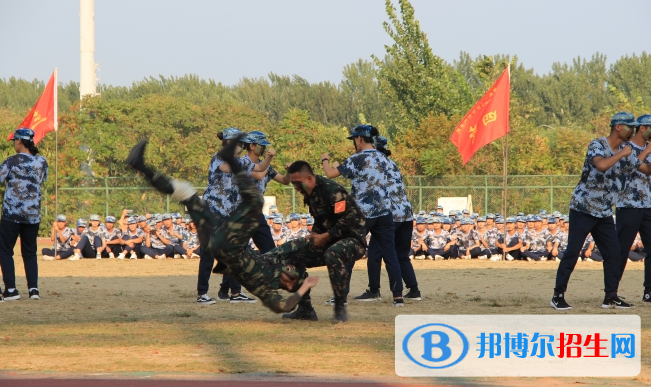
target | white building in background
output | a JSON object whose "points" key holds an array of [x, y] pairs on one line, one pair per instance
{"points": [[88, 68]]}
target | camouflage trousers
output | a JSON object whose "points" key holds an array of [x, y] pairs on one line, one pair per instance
{"points": [[333, 255], [228, 241]]}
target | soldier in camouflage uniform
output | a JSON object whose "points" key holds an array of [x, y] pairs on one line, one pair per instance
{"points": [[263, 275], [337, 238]]}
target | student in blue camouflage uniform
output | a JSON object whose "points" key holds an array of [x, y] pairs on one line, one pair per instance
{"points": [[132, 240], [509, 242], [222, 196], [634, 205], [637, 252], [535, 242], [61, 236], [367, 171], [468, 241], [191, 243], [295, 229], [75, 237], [439, 244], [112, 239], [263, 275], [155, 245], [402, 226], [590, 252], [591, 208], [91, 244], [419, 240], [488, 238], [277, 233], [175, 233], [23, 174], [553, 238]]}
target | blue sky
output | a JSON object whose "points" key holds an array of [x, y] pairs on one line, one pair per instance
{"points": [[228, 40]]}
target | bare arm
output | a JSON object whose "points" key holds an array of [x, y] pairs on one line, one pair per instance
{"points": [[605, 163]]}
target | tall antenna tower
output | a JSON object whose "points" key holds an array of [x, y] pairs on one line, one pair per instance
{"points": [[88, 76]]}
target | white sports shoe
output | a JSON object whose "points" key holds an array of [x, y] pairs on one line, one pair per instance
{"points": [[160, 257], [438, 257], [111, 255], [148, 257], [121, 256], [557, 259], [177, 256], [195, 255], [74, 257], [420, 257], [482, 257], [411, 257], [509, 257], [589, 260], [48, 258], [496, 257], [98, 256], [184, 256], [133, 256]]}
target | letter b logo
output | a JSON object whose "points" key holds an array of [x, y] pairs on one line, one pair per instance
{"points": [[442, 341]]}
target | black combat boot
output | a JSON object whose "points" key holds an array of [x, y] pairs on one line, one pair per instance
{"points": [[341, 315], [305, 311], [136, 160]]}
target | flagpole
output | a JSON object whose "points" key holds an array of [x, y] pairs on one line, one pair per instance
{"points": [[56, 154], [506, 158]]}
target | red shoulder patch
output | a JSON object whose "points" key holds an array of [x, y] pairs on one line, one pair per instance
{"points": [[340, 207]]}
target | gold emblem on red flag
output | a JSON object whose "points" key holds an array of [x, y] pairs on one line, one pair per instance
{"points": [[472, 131], [489, 117], [37, 119]]}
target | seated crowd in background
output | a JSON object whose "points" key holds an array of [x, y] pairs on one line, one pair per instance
{"points": [[459, 235], [462, 235]]}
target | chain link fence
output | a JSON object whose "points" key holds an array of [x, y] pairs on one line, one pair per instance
{"points": [[78, 198]]}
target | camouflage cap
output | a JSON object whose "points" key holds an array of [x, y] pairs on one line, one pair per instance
{"points": [[465, 211], [511, 219], [231, 133], [380, 142], [152, 222], [61, 218], [644, 119], [294, 216], [167, 216], [82, 223], [429, 220], [420, 220], [94, 217], [439, 207], [521, 219], [278, 220], [310, 221], [499, 220], [361, 131], [110, 219], [131, 220], [481, 219], [142, 218], [623, 118], [551, 219], [256, 137], [23, 134], [437, 219], [490, 216], [176, 215]]}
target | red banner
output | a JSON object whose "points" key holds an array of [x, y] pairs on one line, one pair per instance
{"points": [[41, 119], [487, 121]]}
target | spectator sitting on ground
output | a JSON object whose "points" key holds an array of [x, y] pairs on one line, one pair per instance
{"points": [[61, 236]]}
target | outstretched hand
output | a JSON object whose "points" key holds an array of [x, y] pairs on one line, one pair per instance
{"points": [[311, 282]]}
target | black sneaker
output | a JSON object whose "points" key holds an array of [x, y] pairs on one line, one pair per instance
{"points": [[2, 299], [398, 302], [331, 302], [369, 296], [411, 295], [205, 299], [34, 295], [303, 312], [616, 303], [242, 298], [646, 297], [558, 302], [341, 315], [222, 296], [11, 296]]}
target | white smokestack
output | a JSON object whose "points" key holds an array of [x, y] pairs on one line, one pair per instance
{"points": [[87, 76]]}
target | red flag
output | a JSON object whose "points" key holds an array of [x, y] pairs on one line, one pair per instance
{"points": [[487, 121], [43, 116]]}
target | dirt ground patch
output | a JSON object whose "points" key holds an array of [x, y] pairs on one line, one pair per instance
{"points": [[141, 316]]}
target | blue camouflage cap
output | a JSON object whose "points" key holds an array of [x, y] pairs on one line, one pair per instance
{"points": [[537, 218], [294, 216], [231, 133], [521, 219], [465, 211], [420, 220], [498, 215], [565, 218], [542, 212], [152, 222], [82, 223], [467, 221], [551, 219], [176, 215], [94, 217], [490, 216], [439, 207], [437, 219], [110, 219], [380, 142], [142, 218], [131, 220], [157, 218], [510, 219], [623, 118], [644, 119], [520, 214], [429, 220], [278, 220], [256, 137], [310, 221], [360, 131], [529, 218], [481, 219], [273, 207], [61, 218], [432, 213], [166, 216], [23, 134], [499, 220]]}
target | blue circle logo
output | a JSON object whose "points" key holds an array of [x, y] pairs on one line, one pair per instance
{"points": [[435, 346]]}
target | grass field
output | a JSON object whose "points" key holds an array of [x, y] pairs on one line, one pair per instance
{"points": [[137, 316]]}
